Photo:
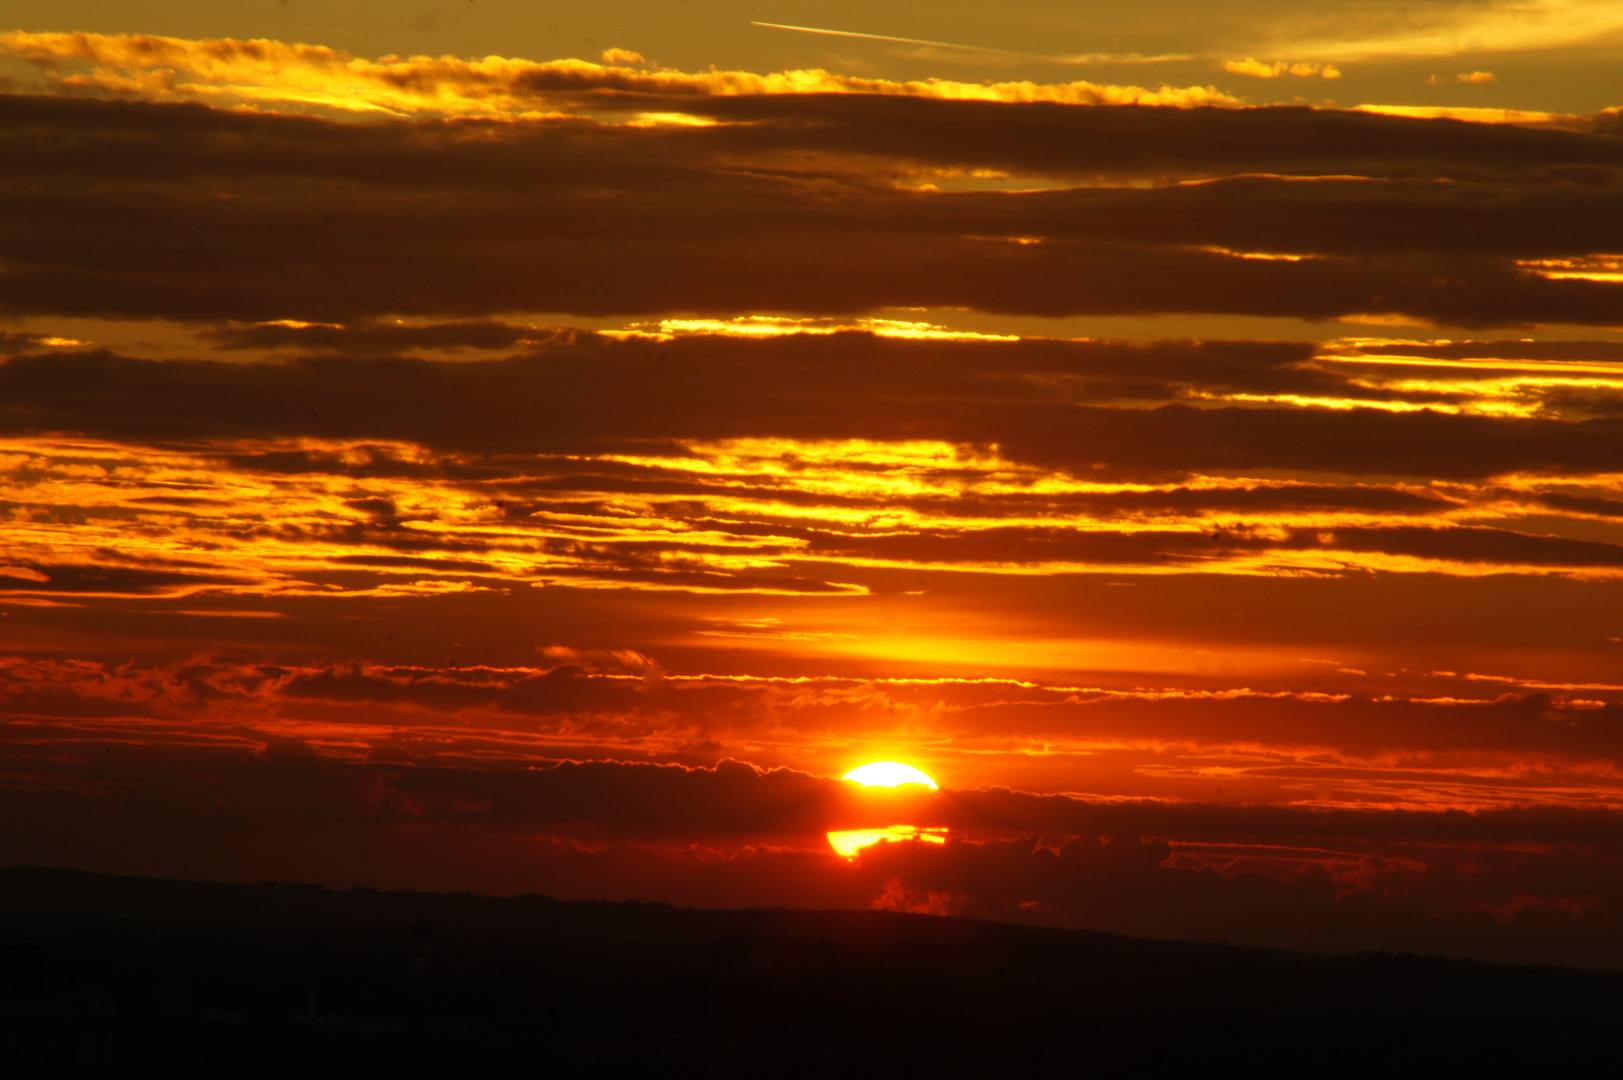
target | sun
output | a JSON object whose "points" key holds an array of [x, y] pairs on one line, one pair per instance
{"points": [[888, 774], [848, 842]]}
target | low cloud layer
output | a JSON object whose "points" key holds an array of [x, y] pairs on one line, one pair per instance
{"points": [[730, 834]]}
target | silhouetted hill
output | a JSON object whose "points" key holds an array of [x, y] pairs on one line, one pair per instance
{"points": [[101, 973]]}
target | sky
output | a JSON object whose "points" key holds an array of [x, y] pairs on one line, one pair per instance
{"points": [[542, 448]]}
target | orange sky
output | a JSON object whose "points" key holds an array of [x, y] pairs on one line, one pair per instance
{"points": [[552, 475]]}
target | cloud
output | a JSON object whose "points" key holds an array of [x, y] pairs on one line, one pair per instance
{"points": [[273, 74], [797, 465], [375, 337], [1496, 548], [1470, 114], [1301, 69], [624, 57], [1141, 888], [316, 230], [1480, 742], [1487, 885], [1501, 26], [1582, 504], [1047, 140], [1601, 352]]}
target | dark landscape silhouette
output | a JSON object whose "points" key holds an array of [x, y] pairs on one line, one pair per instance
{"points": [[104, 973]]}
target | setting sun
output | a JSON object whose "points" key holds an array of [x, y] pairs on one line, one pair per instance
{"points": [[847, 842], [888, 774]]}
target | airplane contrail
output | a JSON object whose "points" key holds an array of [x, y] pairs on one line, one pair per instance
{"points": [[1080, 58]]}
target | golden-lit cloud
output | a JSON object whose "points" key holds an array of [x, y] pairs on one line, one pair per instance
{"points": [[1469, 113], [392, 510], [1500, 26], [272, 74], [1475, 77], [773, 516], [1301, 69], [1582, 268]]}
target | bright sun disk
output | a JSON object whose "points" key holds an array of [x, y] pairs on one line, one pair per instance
{"points": [[888, 774], [848, 842]]}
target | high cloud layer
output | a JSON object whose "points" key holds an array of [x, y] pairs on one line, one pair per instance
{"points": [[276, 74]]}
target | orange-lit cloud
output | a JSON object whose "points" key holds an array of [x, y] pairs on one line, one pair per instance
{"points": [[1482, 884], [1447, 742]]}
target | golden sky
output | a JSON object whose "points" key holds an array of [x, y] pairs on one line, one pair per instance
{"points": [[518, 447]]}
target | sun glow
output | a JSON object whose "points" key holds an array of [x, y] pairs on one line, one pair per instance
{"points": [[847, 842], [888, 774]]}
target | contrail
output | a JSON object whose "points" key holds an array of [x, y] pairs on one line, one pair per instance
{"points": [[883, 37], [1081, 58]]}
